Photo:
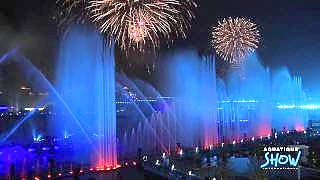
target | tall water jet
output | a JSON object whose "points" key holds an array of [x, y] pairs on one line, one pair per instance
{"points": [[193, 83], [252, 101], [86, 82], [287, 95], [142, 105], [249, 88]]}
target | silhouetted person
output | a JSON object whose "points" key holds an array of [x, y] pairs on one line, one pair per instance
{"points": [[52, 167], [139, 154], [77, 173], [11, 175], [140, 159], [208, 156]]}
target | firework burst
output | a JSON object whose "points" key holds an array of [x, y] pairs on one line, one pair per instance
{"points": [[137, 23], [235, 38], [69, 12]]}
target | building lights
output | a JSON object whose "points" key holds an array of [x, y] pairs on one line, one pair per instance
{"points": [[286, 106], [181, 152], [172, 167], [32, 109], [244, 120], [157, 163], [311, 106], [145, 158], [45, 148], [134, 163], [37, 138], [293, 106], [240, 101], [24, 88]]}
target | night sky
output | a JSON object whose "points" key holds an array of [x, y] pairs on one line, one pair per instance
{"points": [[290, 32]]}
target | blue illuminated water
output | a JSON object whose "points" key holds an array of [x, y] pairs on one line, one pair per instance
{"points": [[203, 110], [250, 97], [86, 82], [192, 80], [139, 129]]}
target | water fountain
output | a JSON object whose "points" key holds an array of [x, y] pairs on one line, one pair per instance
{"points": [[249, 101], [143, 128], [247, 104], [25, 128], [177, 120], [86, 82], [287, 91], [200, 107], [192, 81]]}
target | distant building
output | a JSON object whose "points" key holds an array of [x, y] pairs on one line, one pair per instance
{"points": [[314, 124]]}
